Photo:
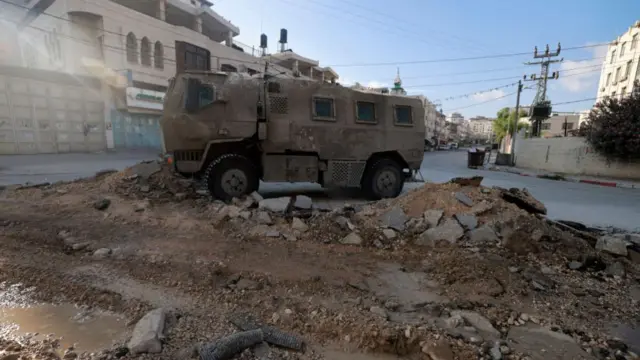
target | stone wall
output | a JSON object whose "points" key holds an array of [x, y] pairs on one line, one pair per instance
{"points": [[573, 156]]}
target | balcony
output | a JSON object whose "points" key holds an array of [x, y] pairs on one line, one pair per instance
{"points": [[196, 16]]}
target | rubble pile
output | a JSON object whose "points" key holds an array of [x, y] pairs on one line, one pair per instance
{"points": [[462, 271]]}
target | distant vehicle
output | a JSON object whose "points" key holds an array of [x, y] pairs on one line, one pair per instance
{"points": [[453, 146], [233, 130]]}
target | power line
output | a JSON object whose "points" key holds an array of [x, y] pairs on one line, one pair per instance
{"points": [[477, 92], [422, 26], [483, 102], [493, 79], [458, 59], [337, 10]]}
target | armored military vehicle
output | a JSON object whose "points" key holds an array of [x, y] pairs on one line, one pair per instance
{"points": [[233, 130]]}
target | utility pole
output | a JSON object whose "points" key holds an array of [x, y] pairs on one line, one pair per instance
{"points": [[541, 107], [515, 125]]}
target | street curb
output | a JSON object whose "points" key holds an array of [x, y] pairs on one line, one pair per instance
{"points": [[556, 177]]}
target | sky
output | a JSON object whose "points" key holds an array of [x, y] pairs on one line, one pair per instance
{"points": [[354, 37]]}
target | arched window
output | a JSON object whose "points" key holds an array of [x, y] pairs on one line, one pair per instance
{"points": [[132, 48], [145, 52], [158, 55], [228, 68]]}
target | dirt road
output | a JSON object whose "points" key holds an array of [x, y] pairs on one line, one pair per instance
{"points": [[126, 243]]}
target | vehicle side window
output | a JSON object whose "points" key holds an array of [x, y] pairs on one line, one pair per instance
{"points": [[366, 112], [323, 109], [207, 94], [403, 115]]}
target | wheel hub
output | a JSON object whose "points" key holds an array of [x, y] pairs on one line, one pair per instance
{"points": [[234, 182], [386, 181]]}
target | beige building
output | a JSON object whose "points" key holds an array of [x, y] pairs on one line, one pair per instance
{"points": [[434, 122], [556, 125], [302, 66], [481, 128], [621, 66], [130, 47]]}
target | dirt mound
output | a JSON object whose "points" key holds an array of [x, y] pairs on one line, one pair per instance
{"points": [[456, 263]]}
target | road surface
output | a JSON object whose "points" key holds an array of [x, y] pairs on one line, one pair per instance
{"points": [[593, 205]]}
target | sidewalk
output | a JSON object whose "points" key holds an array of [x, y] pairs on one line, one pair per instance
{"points": [[559, 177]]}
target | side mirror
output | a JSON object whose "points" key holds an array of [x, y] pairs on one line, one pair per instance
{"points": [[192, 95]]}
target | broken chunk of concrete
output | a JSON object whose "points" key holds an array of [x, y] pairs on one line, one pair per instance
{"points": [[389, 233], [468, 222], [299, 225], [440, 350], [612, 245], [102, 204], [303, 202], [280, 204], [432, 217], [352, 239], [481, 323], [470, 181], [463, 198], [543, 344], [144, 169], [263, 217], [524, 200], [147, 333], [449, 231], [483, 234], [394, 219]]}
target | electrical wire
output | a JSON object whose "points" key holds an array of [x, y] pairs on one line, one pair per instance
{"points": [[471, 58], [422, 26], [483, 102]]}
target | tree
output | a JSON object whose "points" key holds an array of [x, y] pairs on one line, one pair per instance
{"points": [[613, 127], [504, 122]]}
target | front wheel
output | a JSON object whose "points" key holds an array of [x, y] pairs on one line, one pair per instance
{"points": [[384, 179], [231, 176]]}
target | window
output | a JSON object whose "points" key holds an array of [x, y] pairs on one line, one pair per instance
{"points": [[145, 52], [365, 111], [615, 80], [196, 58], [567, 126], [323, 109], [132, 48], [634, 41], [613, 57], [627, 70], [207, 95], [608, 79], [545, 126], [158, 55], [622, 49], [613, 94], [403, 115], [228, 68], [624, 92]]}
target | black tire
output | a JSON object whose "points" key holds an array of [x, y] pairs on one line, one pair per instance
{"points": [[383, 179], [230, 176]]}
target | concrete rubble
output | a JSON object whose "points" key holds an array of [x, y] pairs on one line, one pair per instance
{"points": [[445, 271], [148, 332]]}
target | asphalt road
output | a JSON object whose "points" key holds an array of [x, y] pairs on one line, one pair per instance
{"points": [[593, 205]]}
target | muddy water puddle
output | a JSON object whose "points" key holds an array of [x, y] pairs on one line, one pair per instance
{"points": [[86, 329]]}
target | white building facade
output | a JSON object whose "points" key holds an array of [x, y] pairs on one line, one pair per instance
{"points": [[481, 128], [621, 67], [130, 47]]}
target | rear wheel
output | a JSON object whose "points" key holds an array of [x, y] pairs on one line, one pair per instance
{"points": [[383, 179], [230, 176]]}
